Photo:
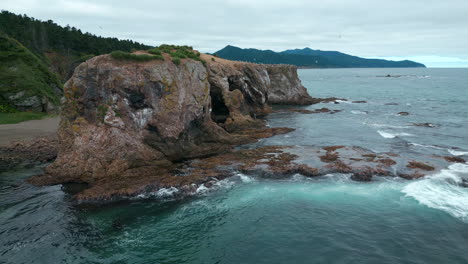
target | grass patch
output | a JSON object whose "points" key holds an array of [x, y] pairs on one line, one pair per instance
{"points": [[155, 51], [176, 61], [14, 118], [122, 55], [177, 53]]}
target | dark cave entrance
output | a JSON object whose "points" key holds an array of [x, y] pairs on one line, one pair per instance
{"points": [[219, 110]]}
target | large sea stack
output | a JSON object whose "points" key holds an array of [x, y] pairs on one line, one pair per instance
{"points": [[123, 119]]}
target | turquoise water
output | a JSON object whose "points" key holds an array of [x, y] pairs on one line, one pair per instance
{"points": [[328, 219]]}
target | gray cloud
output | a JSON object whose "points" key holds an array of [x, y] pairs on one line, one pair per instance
{"points": [[368, 28]]}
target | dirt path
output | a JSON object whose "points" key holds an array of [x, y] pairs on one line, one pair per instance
{"points": [[28, 130]]}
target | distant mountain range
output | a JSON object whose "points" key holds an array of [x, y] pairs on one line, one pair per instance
{"points": [[310, 58]]}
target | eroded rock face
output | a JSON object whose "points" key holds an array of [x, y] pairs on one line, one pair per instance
{"points": [[286, 88], [133, 120]]}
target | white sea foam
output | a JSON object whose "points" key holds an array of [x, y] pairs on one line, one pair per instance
{"points": [[161, 193], [341, 102], [202, 189], [457, 153], [443, 191], [244, 178], [385, 125], [385, 134], [167, 192], [425, 146], [358, 112]]}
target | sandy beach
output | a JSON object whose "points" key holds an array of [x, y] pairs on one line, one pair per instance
{"points": [[28, 130]]}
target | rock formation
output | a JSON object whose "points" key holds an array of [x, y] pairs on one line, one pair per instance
{"points": [[123, 119], [286, 88]]}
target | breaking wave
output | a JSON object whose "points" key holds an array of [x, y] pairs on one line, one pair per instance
{"points": [[457, 153], [443, 191], [385, 134]]}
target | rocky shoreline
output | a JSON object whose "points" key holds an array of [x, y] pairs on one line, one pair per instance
{"points": [[136, 128]]}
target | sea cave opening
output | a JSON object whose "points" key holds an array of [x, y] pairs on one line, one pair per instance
{"points": [[219, 110]]}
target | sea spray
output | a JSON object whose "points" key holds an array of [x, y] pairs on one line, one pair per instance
{"points": [[443, 191]]}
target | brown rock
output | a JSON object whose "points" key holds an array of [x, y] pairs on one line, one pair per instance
{"points": [[329, 157], [332, 148], [38, 150], [420, 165], [286, 88], [411, 176], [455, 159]]}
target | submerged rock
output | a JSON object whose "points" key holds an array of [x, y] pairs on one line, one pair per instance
{"points": [[425, 125]]}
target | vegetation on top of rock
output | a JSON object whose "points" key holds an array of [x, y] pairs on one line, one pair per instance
{"points": [[155, 51], [122, 55], [177, 52], [86, 57], [176, 61], [26, 83]]}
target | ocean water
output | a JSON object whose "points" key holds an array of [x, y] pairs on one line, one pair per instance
{"points": [[328, 219]]}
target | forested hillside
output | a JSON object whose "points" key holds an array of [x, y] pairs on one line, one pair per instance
{"points": [[61, 47], [310, 58], [26, 83], [271, 57]]}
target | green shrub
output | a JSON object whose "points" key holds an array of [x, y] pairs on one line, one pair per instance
{"points": [[201, 60], [4, 108], [213, 59], [155, 51], [121, 55], [178, 52], [176, 61], [102, 111], [86, 57]]}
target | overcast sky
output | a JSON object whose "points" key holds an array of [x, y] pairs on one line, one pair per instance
{"points": [[434, 32]]}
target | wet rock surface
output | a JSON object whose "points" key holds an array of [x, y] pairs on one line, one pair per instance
{"points": [[39, 150], [425, 125], [273, 162]]}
